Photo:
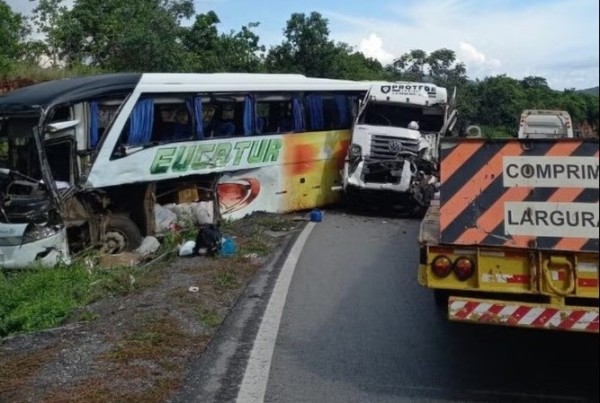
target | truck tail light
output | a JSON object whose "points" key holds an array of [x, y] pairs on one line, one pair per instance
{"points": [[463, 268], [441, 266]]}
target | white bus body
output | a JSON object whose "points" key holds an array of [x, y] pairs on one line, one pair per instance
{"points": [[83, 161]]}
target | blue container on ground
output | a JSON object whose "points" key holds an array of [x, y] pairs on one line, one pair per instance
{"points": [[228, 247], [316, 215]]}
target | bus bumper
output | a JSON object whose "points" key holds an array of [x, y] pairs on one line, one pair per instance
{"points": [[46, 252]]}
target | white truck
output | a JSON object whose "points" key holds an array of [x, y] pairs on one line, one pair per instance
{"points": [[392, 160], [545, 124]]}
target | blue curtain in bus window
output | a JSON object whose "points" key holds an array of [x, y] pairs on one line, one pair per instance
{"points": [[315, 111], [297, 114], [94, 123], [194, 106], [343, 111], [259, 123], [249, 118], [141, 121]]}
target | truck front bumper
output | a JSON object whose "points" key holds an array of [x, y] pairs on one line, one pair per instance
{"points": [[355, 180]]}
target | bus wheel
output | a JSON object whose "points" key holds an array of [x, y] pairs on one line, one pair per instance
{"points": [[121, 235]]}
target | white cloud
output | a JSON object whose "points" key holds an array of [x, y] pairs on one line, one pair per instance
{"points": [[373, 47], [469, 54], [491, 37]]}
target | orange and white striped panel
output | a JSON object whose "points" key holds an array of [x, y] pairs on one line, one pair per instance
{"points": [[581, 319], [541, 193]]}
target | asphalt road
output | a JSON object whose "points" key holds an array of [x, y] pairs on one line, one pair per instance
{"points": [[357, 327]]}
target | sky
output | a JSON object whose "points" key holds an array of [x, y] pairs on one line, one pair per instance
{"points": [[555, 39]]}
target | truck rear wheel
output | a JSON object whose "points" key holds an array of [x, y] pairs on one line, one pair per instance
{"points": [[121, 235], [440, 298]]}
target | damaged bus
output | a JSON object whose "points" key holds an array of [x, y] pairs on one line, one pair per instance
{"points": [[392, 161], [84, 161]]}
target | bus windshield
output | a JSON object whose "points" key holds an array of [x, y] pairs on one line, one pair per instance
{"points": [[18, 151]]}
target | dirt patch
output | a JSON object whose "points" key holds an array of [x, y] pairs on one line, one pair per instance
{"points": [[137, 347]]}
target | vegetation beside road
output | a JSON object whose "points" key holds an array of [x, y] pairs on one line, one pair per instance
{"points": [[126, 334], [86, 39]]}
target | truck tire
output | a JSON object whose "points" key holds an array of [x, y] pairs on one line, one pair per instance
{"points": [[352, 200], [121, 235], [440, 298]]}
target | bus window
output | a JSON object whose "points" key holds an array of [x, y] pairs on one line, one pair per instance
{"points": [[226, 120], [102, 114], [328, 112], [276, 114], [157, 120], [172, 122]]}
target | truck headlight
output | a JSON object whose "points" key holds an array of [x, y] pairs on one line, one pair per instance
{"points": [[35, 232], [354, 152]]}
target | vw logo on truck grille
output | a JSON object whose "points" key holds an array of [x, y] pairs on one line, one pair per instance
{"points": [[395, 146]]}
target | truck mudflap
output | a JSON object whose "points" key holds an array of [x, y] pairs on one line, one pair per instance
{"points": [[518, 314]]}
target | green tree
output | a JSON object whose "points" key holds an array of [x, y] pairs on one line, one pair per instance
{"points": [[439, 67], [500, 102], [349, 64], [119, 35], [241, 51], [411, 66], [306, 49], [201, 43], [13, 29], [535, 82]]}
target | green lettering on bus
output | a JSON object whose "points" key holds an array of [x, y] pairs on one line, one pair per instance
{"points": [[216, 155], [162, 160]]}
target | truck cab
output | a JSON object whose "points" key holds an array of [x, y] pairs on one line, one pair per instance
{"points": [[545, 124], [392, 158]]}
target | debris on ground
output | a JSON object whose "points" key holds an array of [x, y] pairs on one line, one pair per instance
{"points": [[127, 259], [136, 342], [149, 245]]}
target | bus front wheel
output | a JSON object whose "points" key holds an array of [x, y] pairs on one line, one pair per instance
{"points": [[121, 235]]}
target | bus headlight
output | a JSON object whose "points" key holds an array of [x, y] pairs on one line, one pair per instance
{"points": [[35, 232]]}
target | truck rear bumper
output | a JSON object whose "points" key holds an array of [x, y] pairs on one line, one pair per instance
{"points": [[517, 314]]}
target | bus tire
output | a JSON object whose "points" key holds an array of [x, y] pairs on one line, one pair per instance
{"points": [[121, 235]]}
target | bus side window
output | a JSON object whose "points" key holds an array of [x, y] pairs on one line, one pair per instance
{"points": [[139, 128], [102, 114], [60, 114], [172, 122]]}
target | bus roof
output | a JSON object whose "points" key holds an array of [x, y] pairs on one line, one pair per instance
{"points": [[67, 90], [80, 88]]}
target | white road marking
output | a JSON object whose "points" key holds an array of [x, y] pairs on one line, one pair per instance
{"points": [[254, 384]]}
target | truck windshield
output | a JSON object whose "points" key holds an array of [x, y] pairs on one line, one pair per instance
{"points": [[17, 146], [430, 119]]}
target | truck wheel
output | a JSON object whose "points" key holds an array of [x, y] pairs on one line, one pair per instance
{"points": [[441, 299], [353, 200], [121, 235]]}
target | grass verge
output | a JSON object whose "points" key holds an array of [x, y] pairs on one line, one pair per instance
{"points": [[36, 299]]}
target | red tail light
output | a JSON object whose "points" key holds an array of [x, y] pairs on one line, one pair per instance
{"points": [[464, 268], [441, 266]]}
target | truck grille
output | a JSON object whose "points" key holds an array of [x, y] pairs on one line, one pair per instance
{"points": [[380, 147]]}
